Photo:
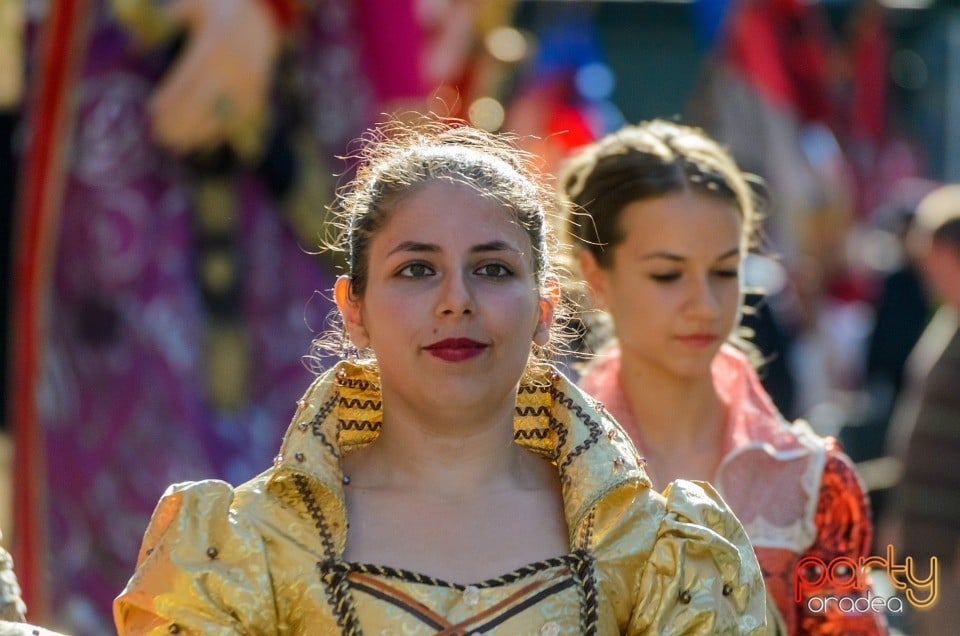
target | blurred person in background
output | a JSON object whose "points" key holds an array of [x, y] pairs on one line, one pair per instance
{"points": [[901, 311], [901, 308], [151, 179], [924, 516], [175, 172], [661, 219]]}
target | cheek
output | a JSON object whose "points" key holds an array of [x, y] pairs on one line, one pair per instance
{"points": [[730, 299], [731, 296], [385, 314], [518, 306], [640, 310], [510, 310], [622, 290], [638, 295]]}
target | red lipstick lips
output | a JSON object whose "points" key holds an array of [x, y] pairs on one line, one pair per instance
{"points": [[455, 349]]}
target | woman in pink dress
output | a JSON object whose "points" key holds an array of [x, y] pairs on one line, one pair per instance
{"points": [[661, 219]]}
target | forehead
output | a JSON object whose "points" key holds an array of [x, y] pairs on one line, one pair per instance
{"points": [[682, 221], [450, 214]]}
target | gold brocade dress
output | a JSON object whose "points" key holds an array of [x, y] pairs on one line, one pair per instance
{"points": [[266, 557]]}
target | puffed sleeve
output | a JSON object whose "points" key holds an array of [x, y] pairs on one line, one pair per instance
{"points": [[844, 529], [202, 569], [702, 576]]}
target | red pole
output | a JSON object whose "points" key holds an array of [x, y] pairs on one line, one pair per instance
{"points": [[60, 48]]}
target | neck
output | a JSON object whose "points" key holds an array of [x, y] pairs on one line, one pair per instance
{"points": [[673, 415], [450, 453]]}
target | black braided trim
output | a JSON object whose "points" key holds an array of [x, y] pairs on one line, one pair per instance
{"points": [[318, 519], [325, 409], [561, 432], [560, 397], [586, 537], [570, 560], [333, 573], [316, 425], [576, 409], [589, 609], [330, 447], [337, 586]]}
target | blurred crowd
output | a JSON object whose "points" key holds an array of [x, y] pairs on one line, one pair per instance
{"points": [[165, 169]]}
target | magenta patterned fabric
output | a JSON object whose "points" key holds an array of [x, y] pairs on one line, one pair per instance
{"points": [[121, 397]]}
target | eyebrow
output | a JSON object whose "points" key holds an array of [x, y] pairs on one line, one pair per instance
{"points": [[415, 246], [677, 258]]}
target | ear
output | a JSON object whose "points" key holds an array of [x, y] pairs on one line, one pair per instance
{"points": [[349, 306], [594, 276], [545, 308]]}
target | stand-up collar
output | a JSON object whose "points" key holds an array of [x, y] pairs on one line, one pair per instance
{"points": [[343, 410]]}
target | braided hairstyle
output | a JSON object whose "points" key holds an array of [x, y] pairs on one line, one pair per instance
{"points": [[653, 159], [646, 161]]}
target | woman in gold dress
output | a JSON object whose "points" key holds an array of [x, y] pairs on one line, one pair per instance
{"points": [[444, 479]]}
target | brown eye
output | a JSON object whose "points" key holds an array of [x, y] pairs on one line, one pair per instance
{"points": [[494, 270], [416, 270]]}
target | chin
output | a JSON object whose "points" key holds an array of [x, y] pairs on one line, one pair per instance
{"points": [[692, 367], [478, 386], [475, 401]]}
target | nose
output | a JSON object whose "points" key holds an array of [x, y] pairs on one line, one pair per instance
{"points": [[703, 302], [456, 296]]}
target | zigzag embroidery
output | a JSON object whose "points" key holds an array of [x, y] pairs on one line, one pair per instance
{"points": [[355, 403], [525, 411], [359, 425], [356, 383], [330, 447], [531, 389], [561, 432], [583, 417], [316, 425], [532, 433]]}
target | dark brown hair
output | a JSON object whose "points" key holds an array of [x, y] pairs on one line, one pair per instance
{"points": [[397, 159]]}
